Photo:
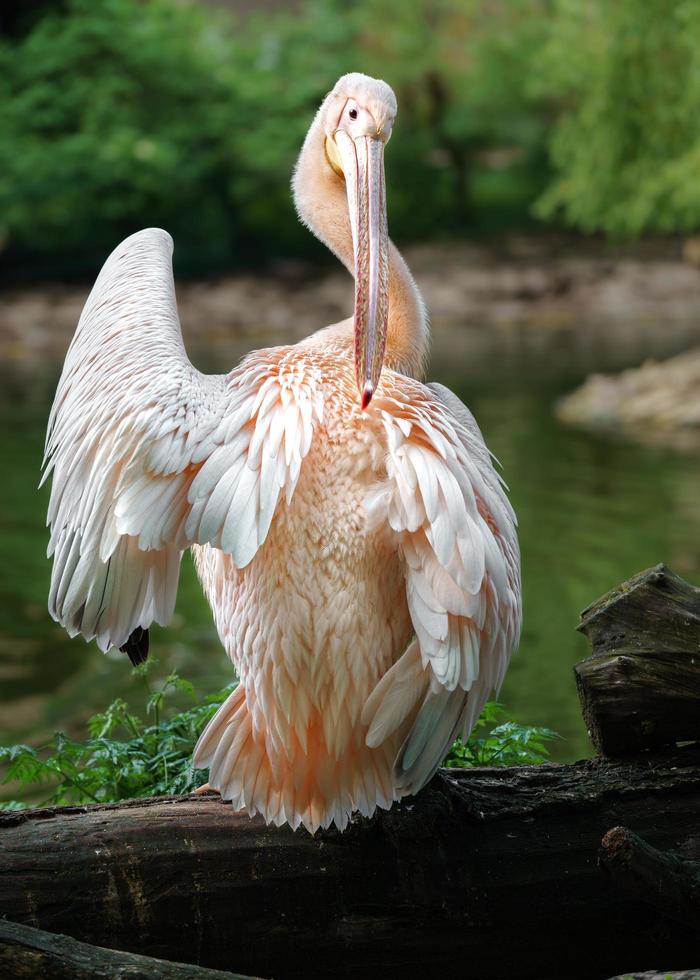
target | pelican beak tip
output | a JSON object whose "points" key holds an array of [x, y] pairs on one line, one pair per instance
{"points": [[367, 393]]}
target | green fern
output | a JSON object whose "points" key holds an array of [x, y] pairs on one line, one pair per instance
{"points": [[504, 744]]}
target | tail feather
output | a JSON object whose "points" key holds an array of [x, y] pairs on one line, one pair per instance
{"points": [[393, 702], [406, 727], [408, 709], [300, 783], [437, 725], [211, 736]]}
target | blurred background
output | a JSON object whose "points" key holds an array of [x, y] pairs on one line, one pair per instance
{"points": [[544, 182]]}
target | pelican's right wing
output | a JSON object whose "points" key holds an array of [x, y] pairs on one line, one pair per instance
{"points": [[456, 531], [149, 455]]}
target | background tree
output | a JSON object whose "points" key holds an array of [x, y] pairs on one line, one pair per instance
{"points": [[625, 78], [125, 113]]}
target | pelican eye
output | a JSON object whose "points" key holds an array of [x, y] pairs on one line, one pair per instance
{"points": [[353, 113]]}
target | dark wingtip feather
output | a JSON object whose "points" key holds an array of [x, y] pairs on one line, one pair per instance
{"points": [[136, 647]]}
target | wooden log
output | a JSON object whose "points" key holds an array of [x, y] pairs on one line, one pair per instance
{"points": [[663, 879], [660, 975], [640, 689], [489, 873], [33, 954]]}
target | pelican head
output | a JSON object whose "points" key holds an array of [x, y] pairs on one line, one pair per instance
{"points": [[358, 116]]}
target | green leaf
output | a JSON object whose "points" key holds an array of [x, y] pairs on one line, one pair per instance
{"points": [[154, 702], [506, 744]]}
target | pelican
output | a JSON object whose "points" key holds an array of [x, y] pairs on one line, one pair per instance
{"points": [[348, 526]]}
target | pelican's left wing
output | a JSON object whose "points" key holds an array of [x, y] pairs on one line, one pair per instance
{"points": [[149, 455], [457, 532]]}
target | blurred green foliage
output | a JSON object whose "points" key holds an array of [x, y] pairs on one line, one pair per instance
{"points": [[114, 115], [118, 114], [626, 144]]}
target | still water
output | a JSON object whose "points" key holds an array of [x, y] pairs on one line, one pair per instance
{"points": [[592, 512]]}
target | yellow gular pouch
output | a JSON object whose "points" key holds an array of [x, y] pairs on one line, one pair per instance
{"points": [[333, 156]]}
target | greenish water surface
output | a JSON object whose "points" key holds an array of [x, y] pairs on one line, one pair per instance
{"points": [[592, 512]]}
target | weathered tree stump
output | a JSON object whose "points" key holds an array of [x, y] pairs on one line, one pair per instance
{"points": [[488, 872], [33, 954], [640, 689], [666, 880]]}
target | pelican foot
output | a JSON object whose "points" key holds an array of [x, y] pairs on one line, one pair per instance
{"points": [[205, 788]]}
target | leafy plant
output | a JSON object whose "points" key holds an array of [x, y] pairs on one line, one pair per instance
{"points": [[153, 755], [504, 744]]}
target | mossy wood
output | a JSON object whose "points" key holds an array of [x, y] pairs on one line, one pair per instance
{"points": [[660, 975], [640, 689], [490, 872]]}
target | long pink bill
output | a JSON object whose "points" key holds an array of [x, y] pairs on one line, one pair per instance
{"points": [[363, 166]]}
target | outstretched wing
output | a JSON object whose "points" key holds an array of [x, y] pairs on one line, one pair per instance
{"points": [[149, 455], [457, 533]]}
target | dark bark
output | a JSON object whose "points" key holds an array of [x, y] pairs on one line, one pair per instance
{"points": [[33, 954], [663, 879], [489, 873], [640, 689]]}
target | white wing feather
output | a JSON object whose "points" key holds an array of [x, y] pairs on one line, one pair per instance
{"points": [[149, 455], [457, 533]]}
